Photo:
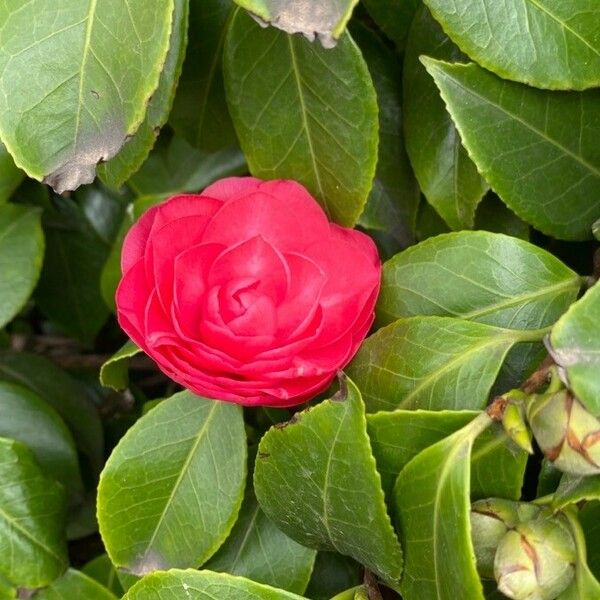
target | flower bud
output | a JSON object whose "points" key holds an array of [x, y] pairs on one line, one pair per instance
{"points": [[490, 520], [513, 420], [567, 433], [535, 560]]}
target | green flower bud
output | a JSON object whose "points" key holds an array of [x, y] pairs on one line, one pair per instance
{"points": [[535, 560], [567, 433], [513, 420], [490, 520]]}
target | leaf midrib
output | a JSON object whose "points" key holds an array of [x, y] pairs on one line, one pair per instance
{"points": [[85, 53], [184, 468], [12, 523], [496, 307], [504, 337], [546, 11], [486, 100], [305, 125]]}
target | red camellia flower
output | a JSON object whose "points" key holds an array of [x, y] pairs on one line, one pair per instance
{"points": [[246, 292]]}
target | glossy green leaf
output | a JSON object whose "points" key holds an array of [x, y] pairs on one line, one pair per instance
{"points": [[75, 584], [259, 551], [63, 393], [305, 113], [315, 477], [332, 573], [68, 291], [391, 208], [575, 342], [28, 419], [203, 585], [545, 43], [177, 167], [171, 490], [483, 277], [200, 114], [446, 174], [575, 488], [10, 175], [114, 372], [324, 21], [585, 586], [78, 83], [432, 502], [589, 517], [21, 255], [397, 437], [103, 571], [537, 149], [135, 151], [432, 363], [393, 17], [33, 550], [479, 276]]}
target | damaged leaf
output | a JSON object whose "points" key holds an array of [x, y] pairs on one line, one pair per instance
{"points": [[325, 21], [75, 86]]}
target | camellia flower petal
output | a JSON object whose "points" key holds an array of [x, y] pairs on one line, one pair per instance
{"points": [[246, 292]]}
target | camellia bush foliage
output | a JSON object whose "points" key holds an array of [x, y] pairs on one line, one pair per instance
{"points": [[298, 299]]}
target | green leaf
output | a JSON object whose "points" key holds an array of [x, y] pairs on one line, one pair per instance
{"points": [[332, 574], [485, 277], [91, 69], [497, 466], [548, 479], [393, 17], [492, 215], [315, 477], [305, 113], [480, 276], [171, 490], [21, 255], [68, 291], [589, 517], [66, 396], [432, 502], [111, 271], [324, 21], [544, 43], [203, 585], [135, 151], [537, 149], [585, 585], [114, 372], [433, 363], [397, 437], [28, 419], [446, 174], [392, 205], [200, 114], [10, 175], [75, 584], [259, 551], [177, 167], [575, 342], [33, 550], [575, 488], [104, 572]]}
